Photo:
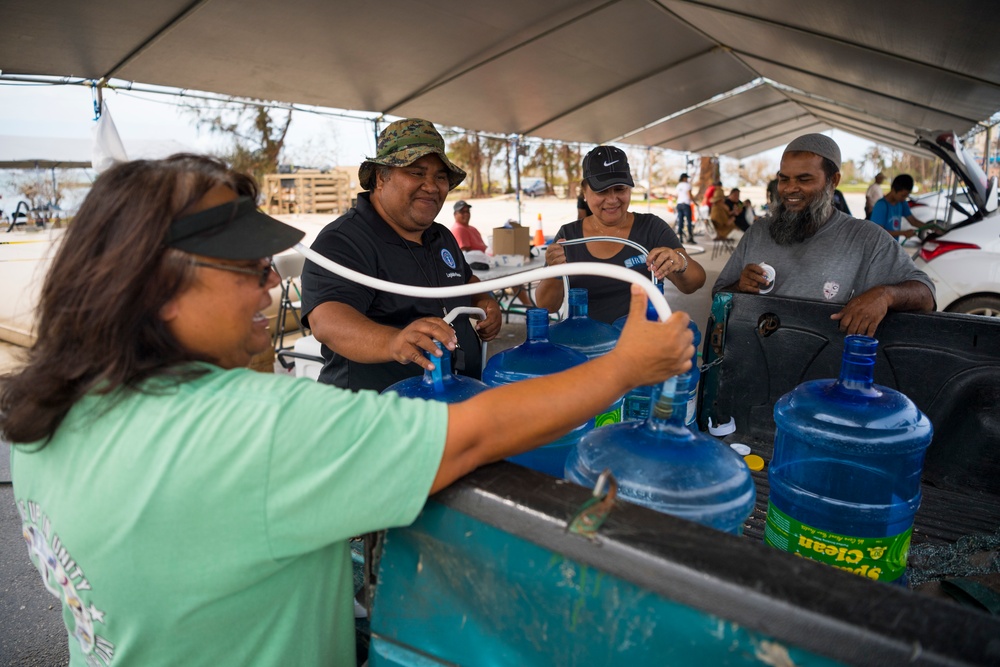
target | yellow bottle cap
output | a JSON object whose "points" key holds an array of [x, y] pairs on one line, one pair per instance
{"points": [[754, 462]]}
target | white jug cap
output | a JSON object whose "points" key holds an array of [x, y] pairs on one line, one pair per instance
{"points": [[740, 448], [719, 430]]}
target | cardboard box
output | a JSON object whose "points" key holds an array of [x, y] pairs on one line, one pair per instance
{"points": [[512, 241]]}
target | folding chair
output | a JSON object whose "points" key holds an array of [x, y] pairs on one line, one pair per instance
{"points": [[288, 268], [723, 247]]}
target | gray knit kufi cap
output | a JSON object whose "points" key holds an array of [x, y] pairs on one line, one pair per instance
{"points": [[820, 144]]}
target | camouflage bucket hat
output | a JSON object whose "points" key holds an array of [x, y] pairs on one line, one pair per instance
{"points": [[404, 142]]}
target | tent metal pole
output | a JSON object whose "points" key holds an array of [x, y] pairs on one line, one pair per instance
{"points": [[517, 175]]}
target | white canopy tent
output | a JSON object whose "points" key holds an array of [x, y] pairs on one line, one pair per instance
{"points": [[723, 77], [17, 152]]}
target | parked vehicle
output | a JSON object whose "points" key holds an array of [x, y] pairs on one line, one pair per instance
{"points": [[938, 207], [964, 262], [533, 187]]}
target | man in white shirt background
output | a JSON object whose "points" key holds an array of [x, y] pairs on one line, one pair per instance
{"points": [[684, 209]]}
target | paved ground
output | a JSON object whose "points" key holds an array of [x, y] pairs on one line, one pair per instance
{"points": [[31, 629]]}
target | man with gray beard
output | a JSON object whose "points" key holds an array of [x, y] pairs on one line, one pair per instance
{"points": [[822, 254]]}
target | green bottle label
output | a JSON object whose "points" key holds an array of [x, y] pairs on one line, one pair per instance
{"points": [[880, 558], [612, 417]]}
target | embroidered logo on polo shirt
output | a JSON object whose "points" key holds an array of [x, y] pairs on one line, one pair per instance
{"points": [[830, 289], [448, 259]]}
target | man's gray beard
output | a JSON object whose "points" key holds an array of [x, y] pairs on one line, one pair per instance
{"points": [[790, 227]]}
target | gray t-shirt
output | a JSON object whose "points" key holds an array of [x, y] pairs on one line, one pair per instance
{"points": [[845, 258]]}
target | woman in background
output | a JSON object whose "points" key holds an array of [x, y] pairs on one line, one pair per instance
{"points": [[607, 187]]}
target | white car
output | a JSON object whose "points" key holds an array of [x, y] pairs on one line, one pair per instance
{"points": [[964, 262], [933, 207]]}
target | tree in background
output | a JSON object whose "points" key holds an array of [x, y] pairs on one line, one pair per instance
{"points": [[491, 151], [508, 160], [543, 160], [920, 168], [758, 171], [467, 152], [875, 156], [257, 133], [572, 164], [37, 190], [708, 173], [848, 172]]}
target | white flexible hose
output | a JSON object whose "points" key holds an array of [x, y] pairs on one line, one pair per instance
{"points": [[478, 313], [576, 269], [514, 279]]}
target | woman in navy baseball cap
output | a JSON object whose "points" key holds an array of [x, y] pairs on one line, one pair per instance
{"points": [[607, 188]]}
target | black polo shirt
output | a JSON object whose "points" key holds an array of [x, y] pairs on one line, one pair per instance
{"points": [[361, 240]]}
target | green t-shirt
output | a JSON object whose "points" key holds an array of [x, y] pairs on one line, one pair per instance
{"points": [[207, 524]]}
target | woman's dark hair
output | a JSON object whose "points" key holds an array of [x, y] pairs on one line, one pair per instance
{"points": [[98, 320]]}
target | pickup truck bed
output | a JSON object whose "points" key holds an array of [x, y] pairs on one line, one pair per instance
{"points": [[949, 365], [492, 572]]}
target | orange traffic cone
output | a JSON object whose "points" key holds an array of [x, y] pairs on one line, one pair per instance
{"points": [[539, 234]]}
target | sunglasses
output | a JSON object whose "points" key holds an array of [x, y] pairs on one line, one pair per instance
{"points": [[262, 273]]}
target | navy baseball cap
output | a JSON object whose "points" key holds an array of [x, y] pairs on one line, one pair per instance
{"points": [[605, 167]]}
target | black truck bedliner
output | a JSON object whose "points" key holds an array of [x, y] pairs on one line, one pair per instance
{"points": [[949, 365]]}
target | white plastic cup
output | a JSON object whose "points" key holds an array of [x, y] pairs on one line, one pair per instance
{"points": [[769, 275]]}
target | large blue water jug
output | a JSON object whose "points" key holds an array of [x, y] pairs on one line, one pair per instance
{"points": [[636, 403], [588, 336], [440, 384], [663, 465], [845, 474], [536, 357], [691, 417]]}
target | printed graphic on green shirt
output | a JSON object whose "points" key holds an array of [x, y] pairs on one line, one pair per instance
{"points": [[64, 578]]}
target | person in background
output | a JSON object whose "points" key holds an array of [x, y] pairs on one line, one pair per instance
{"points": [[372, 339], [170, 496], [873, 194], [468, 237], [607, 186], [772, 194], [684, 209], [748, 217], [722, 216], [889, 211], [733, 203], [710, 194], [840, 203], [822, 254]]}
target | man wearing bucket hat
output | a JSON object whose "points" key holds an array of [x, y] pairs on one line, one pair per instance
{"points": [[823, 254], [372, 339]]}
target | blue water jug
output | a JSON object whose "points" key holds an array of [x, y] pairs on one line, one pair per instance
{"points": [[536, 357], [691, 417], [845, 475], [636, 403], [663, 465], [588, 336], [440, 384]]}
